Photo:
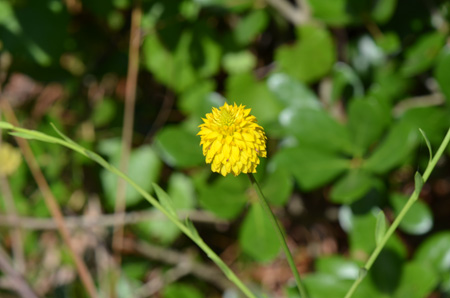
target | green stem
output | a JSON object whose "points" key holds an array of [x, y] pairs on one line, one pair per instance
{"points": [[414, 196], [281, 235]]}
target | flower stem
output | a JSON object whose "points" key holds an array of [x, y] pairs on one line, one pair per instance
{"points": [[414, 196], [281, 235]]}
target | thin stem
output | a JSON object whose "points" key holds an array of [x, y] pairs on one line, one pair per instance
{"points": [[127, 131], [281, 235], [414, 196]]}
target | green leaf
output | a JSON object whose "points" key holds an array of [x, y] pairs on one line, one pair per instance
{"points": [[239, 62], [245, 89], [317, 129], [344, 75], [323, 285], [362, 241], [353, 186], [417, 280], [180, 196], [311, 167], [423, 53], [367, 121], [164, 199], [418, 220], [177, 290], [434, 121], [418, 182], [225, 197], [396, 147], [179, 147], [389, 42], [291, 92], [6, 125], [331, 12], [311, 57], [435, 250], [250, 26], [380, 228], [257, 235], [143, 168], [383, 10], [442, 72], [428, 144], [338, 266]]}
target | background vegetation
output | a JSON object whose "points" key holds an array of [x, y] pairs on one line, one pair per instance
{"points": [[341, 88]]}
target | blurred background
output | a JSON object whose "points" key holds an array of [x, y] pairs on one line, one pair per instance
{"points": [[341, 88]]}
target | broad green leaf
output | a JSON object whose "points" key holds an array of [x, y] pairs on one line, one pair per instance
{"points": [[178, 290], [353, 186], [331, 12], [317, 129], [367, 119], [417, 281], [144, 167], [418, 182], [434, 121], [389, 42], [386, 270], [423, 53], [362, 240], [250, 26], [179, 147], [245, 89], [199, 99], [311, 57], [6, 125], [291, 92], [324, 285], [435, 250], [383, 10], [257, 235], [225, 197], [338, 266], [181, 68], [418, 220], [311, 168], [239, 62], [394, 149], [442, 72], [380, 228], [104, 112]]}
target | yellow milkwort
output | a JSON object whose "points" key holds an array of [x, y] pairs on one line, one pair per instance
{"points": [[232, 140], [10, 159]]}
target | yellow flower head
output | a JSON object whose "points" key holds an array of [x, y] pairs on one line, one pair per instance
{"points": [[10, 159], [232, 140]]}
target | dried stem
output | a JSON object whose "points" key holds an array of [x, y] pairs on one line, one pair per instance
{"points": [[51, 203], [15, 279], [127, 131], [105, 220]]}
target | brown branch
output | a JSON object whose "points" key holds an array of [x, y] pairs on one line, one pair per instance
{"points": [[205, 272], [14, 280], [86, 222], [127, 131], [50, 201], [16, 233]]}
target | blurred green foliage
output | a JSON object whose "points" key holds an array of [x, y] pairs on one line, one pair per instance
{"points": [[341, 96]]}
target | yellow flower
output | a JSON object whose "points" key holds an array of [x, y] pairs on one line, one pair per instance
{"points": [[10, 159], [232, 140]]}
